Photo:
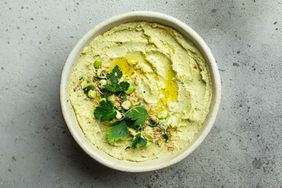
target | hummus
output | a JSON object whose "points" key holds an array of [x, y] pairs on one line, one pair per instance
{"points": [[171, 80]]}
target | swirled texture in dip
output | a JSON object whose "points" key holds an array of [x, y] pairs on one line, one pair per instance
{"points": [[171, 79]]}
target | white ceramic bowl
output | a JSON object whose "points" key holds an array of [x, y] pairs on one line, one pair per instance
{"points": [[71, 121]]}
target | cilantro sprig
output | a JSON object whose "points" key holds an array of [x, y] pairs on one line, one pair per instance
{"points": [[116, 86], [132, 118], [120, 119]]}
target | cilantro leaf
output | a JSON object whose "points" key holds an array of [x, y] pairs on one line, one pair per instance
{"points": [[117, 132], [123, 86], [105, 111], [139, 141], [114, 77], [137, 116], [88, 88]]}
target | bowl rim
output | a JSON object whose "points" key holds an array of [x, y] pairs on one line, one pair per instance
{"points": [[195, 37]]}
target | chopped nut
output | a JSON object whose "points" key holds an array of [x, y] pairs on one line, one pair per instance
{"points": [[133, 98], [134, 76], [117, 103], [170, 146], [160, 142]]}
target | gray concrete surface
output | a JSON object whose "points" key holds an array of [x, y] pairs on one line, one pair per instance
{"points": [[244, 149]]}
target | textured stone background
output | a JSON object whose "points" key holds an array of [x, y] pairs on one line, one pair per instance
{"points": [[244, 149]]}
